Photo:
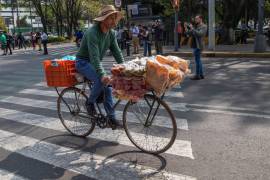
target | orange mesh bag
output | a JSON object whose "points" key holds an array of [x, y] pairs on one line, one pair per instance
{"points": [[60, 73], [157, 76], [176, 62]]}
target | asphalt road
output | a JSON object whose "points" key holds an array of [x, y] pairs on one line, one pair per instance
{"points": [[223, 127]]}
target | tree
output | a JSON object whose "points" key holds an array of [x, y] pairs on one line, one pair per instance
{"points": [[2, 24], [23, 22], [41, 10]]}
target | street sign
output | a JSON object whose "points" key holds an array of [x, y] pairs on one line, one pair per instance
{"points": [[38, 20], [118, 3]]}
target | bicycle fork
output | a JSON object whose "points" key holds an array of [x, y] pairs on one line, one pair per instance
{"points": [[149, 119]]}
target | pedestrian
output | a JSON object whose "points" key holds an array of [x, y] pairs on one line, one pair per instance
{"points": [[21, 41], [9, 42], [119, 37], [244, 33], [127, 39], [268, 34], [3, 41], [78, 36], [197, 33], [135, 38], [158, 32], [33, 40], [179, 32], [146, 41], [38, 40], [97, 40], [44, 41]]}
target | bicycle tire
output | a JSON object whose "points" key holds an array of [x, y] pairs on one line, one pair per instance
{"points": [[77, 115], [171, 117]]}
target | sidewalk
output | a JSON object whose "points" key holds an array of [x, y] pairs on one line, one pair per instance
{"points": [[237, 50]]}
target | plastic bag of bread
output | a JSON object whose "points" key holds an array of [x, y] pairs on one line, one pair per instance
{"points": [[176, 62], [182, 63], [176, 77], [157, 76]]}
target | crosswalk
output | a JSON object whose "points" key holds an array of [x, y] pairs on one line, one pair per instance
{"points": [[54, 51], [93, 164]]}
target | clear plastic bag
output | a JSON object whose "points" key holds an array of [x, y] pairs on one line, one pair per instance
{"points": [[176, 62]]}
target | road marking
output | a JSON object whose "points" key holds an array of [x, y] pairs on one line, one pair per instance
{"points": [[10, 62], [185, 107], [91, 165], [181, 123], [54, 94], [179, 148], [6, 175]]}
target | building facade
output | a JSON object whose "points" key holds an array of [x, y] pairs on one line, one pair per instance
{"points": [[11, 12]]}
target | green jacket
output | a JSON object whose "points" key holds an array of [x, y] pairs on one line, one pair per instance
{"points": [[94, 45], [3, 39]]}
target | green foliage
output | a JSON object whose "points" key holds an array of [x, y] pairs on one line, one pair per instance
{"points": [[2, 24], [23, 23], [56, 39], [267, 9]]}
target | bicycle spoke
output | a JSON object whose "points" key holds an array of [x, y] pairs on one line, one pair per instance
{"points": [[154, 136], [73, 113]]}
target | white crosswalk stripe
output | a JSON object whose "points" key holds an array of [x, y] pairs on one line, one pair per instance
{"points": [[91, 165], [52, 51], [5, 175], [182, 123], [88, 164]]}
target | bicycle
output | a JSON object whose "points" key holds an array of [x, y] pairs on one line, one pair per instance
{"points": [[142, 120]]}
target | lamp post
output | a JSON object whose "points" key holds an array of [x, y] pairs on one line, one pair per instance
{"points": [[260, 42], [176, 5], [211, 25]]}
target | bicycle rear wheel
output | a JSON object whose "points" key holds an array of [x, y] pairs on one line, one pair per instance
{"points": [[72, 112], [150, 125]]}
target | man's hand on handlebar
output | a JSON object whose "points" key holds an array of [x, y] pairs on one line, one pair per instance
{"points": [[106, 80]]}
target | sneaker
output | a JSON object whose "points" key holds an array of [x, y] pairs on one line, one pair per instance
{"points": [[115, 124], [202, 76], [196, 77], [90, 107]]}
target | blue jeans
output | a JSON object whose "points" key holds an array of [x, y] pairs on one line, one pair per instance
{"points": [[87, 70], [199, 66], [146, 47]]}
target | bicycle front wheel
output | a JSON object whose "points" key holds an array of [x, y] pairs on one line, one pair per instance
{"points": [[72, 112], [150, 125]]}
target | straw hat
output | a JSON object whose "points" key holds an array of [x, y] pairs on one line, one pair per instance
{"points": [[106, 11]]}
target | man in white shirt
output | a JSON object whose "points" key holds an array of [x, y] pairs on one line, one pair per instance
{"points": [[135, 39], [44, 40]]}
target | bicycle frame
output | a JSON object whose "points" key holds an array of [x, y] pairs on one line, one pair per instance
{"points": [[85, 83], [149, 119]]}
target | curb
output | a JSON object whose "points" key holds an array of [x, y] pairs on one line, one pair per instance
{"points": [[222, 54]]}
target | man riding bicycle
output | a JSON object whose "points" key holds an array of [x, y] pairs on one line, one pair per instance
{"points": [[95, 42]]}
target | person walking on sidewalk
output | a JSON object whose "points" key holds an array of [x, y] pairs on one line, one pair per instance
{"points": [[97, 40], [197, 33], [33, 40], [3, 40], [9, 42], [146, 36], [21, 41], [135, 38], [38, 40], [44, 40], [158, 33]]}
